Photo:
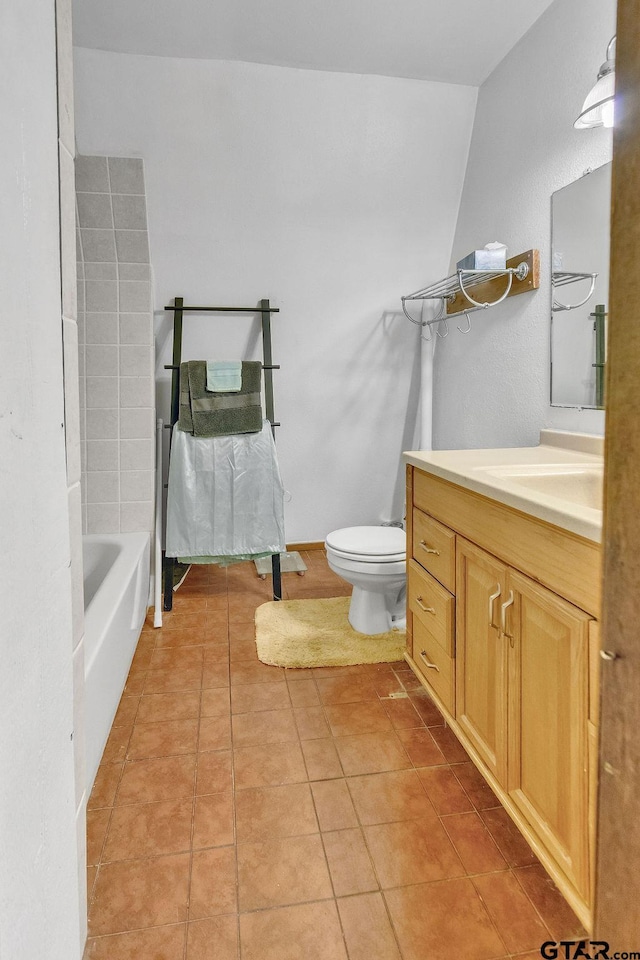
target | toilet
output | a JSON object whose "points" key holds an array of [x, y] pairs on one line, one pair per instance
{"points": [[374, 560]]}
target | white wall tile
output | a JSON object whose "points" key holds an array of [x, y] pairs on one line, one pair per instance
{"points": [[136, 517], [129, 212], [92, 175], [94, 210], [102, 328], [126, 175], [132, 246], [137, 424], [103, 518], [97, 246], [103, 486], [101, 424], [102, 360], [134, 297], [101, 296], [103, 454], [101, 271], [136, 391], [102, 392], [136, 361], [117, 349], [136, 485], [136, 454], [134, 271], [136, 328]]}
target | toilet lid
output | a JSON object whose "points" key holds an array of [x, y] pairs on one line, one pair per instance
{"points": [[386, 543]]}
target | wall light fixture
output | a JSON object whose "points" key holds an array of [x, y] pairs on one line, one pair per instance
{"points": [[597, 110]]}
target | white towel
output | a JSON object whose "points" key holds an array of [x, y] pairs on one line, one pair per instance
{"points": [[225, 495], [224, 376]]}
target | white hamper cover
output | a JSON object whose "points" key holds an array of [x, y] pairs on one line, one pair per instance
{"points": [[225, 495]]}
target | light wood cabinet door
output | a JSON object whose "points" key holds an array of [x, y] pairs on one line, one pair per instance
{"points": [[548, 777], [481, 655]]}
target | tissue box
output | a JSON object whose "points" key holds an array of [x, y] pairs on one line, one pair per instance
{"points": [[484, 260]]}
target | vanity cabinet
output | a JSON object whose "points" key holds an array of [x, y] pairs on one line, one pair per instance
{"points": [[515, 674], [481, 675], [522, 699]]}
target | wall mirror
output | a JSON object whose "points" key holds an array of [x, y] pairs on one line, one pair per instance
{"points": [[580, 214]]}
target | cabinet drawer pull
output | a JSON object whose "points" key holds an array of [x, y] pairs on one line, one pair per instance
{"points": [[608, 655], [492, 600], [432, 666], [427, 549], [422, 606]]}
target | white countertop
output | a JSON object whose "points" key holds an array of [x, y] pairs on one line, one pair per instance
{"points": [[560, 459]]}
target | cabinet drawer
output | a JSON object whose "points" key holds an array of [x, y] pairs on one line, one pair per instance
{"points": [[434, 665], [432, 605], [434, 547]]}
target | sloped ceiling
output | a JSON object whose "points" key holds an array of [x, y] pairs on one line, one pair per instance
{"points": [[453, 41]]}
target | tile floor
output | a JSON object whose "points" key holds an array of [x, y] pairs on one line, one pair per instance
{"points": [[245, 812]]}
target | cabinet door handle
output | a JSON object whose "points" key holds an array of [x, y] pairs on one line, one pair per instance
{"points": [[432, 666], [427, 549], [503, 616], [492, 600], [422, 606]]}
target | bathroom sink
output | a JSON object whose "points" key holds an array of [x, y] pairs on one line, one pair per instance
{"points": [[581, 485]]}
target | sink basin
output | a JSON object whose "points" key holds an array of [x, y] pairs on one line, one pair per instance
{"points": [[581, 485]]}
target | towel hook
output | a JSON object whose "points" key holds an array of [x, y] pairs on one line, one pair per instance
{"points": [[468, 330], [446, 323], [435, 320]]}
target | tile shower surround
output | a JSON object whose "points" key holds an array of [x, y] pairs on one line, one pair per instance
{"points": [[115, 324], [246, 812]]}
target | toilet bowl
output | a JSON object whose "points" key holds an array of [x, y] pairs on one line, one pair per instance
{"points": [[373, 560]]}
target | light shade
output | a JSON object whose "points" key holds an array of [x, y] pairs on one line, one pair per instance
{"points": [[597, 110]]}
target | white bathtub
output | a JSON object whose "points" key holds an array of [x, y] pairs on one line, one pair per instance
{"points": [[116, 591]]}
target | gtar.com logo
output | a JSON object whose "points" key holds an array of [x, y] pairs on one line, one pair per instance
{"points": [[583, 950]]}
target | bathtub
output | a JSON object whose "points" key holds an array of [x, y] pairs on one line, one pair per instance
{"points": [[116, 591]]}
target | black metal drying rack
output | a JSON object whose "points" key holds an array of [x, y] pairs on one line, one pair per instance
{"points": [[179, 310]]}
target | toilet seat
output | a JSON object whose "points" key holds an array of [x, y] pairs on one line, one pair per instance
{"points": [[368, 544], [374, 561]]}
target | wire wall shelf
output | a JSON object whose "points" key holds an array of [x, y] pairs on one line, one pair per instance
{"points": [[521, 274], [562, 278]]}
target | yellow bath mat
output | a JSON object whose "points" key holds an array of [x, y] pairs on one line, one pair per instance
{"points": [[317, 633]]}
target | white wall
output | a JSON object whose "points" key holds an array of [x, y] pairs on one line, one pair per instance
{"points": [[492, 386], [42, 868], [331, 194]]}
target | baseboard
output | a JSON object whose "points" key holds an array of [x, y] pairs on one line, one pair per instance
{"points": [[310, 545]]}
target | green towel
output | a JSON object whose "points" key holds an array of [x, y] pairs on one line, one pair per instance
{"points": [[207, 414]]}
